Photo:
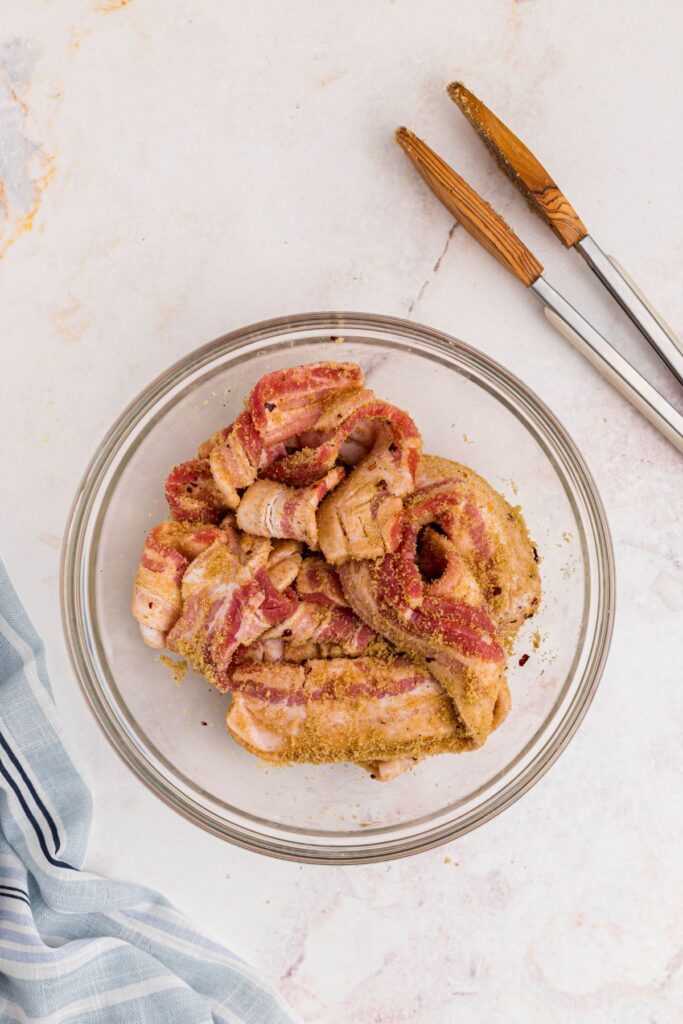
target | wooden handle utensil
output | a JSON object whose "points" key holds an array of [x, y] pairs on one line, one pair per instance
{"points": [[546, 199], [491, 231], [521, 166], [473, 212]]}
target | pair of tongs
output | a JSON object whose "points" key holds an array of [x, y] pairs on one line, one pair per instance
{"points": [[491, 231]]}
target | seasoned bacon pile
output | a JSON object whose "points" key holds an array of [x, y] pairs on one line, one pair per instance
{"points": [[356, 597], [455, 591]]}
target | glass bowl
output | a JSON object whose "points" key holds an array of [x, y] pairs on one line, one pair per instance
{"points": [[173, 736]]}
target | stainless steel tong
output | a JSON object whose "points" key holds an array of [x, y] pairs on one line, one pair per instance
{"points": [[545, 198]]}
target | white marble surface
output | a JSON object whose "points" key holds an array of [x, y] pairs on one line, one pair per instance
{"points": [[173, 170]]}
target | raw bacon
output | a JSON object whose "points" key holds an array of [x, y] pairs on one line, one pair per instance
{"points": [[167, 552], [457, 645], [362, 519], [192, 494], [282, 405], [322, 626], [288, 402], [384, 648], [484, 529], [435, 597], [325, 624], [340, 710], [387, 770], [228, 602], [270, 509], [284, 563], [339, 420], [237, 457], [315, 629], [318, 581]]}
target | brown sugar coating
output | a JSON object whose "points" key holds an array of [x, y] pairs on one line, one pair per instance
{"points": [[512, 584], [359, 600], [340, 718]]}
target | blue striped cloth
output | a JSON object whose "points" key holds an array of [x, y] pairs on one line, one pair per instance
{"points": [[75, 947]]}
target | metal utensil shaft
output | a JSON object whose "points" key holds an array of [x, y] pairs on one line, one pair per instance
{"points": [[633, 302], [611, 364]]}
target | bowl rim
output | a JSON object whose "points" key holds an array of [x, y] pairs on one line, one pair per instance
{"points": [[328, 322]]}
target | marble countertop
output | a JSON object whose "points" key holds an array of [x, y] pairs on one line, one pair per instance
{"points": [[169, 172]]}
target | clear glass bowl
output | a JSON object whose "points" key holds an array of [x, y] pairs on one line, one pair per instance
{"points": [[173, 737]]}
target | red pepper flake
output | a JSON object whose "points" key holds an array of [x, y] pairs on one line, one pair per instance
{"points": [[204, 723], [523, 660]]}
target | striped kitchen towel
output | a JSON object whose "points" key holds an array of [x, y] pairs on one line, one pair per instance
{"points": [[75, 947]]}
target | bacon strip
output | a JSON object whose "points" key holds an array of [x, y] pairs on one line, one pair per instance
{"points": [[488, 533], [318, 581], [228, 602], [434, 597], [282, 405], [192, 495], [458, 642], [325, 624], [284, 563], [362, 519], [288, 402], [270, 509], [322, 626], [168, 550], [339, 420], [237, 456], [316, 629], [339, 710], [387, 770]]}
